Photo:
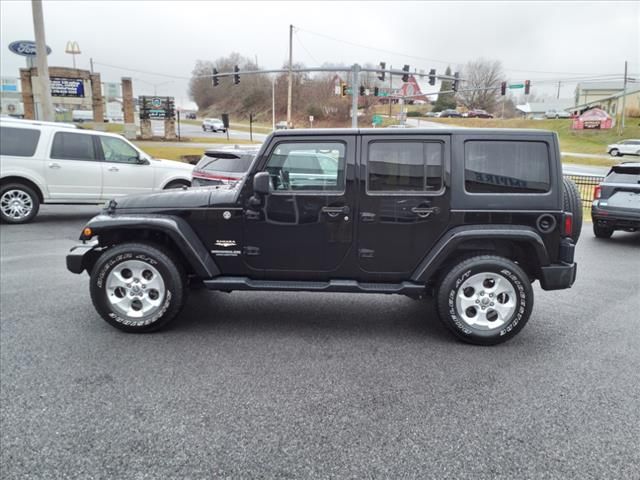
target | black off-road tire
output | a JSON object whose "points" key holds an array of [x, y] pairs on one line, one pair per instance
{"points": [[493, 266], [171, 300], [24, 193], [573, 204], [602, 232]]}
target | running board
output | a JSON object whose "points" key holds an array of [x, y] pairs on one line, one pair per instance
{"points": [[346, 286]]}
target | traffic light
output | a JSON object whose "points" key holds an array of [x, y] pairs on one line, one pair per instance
{"points": [[236, 76], [503, 88], [376, 91], [215, 79], [361, 91], [432, 76], [343, 89], [405, 77], [454, 85], [527, 86], [383, 65]]}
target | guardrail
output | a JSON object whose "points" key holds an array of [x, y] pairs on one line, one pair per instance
{"points": [[586, 184]]}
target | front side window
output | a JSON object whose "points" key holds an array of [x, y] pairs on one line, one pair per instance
{"points": [[404, 166], [73, 146], [118, 151], [493, 166], [18, 142], [302, 166]]}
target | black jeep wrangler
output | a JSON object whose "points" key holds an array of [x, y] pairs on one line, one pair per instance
{"points": [[472, 217]]}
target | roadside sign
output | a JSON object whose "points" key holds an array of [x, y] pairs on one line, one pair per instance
{"points": [[383, 94], [516, 85], [376, 120], [311, 118]]}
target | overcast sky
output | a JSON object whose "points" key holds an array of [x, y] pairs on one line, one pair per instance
{"points": [[533, 40]]}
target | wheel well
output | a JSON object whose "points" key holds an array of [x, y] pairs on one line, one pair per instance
{"points": [[157, 238], [173, 183], [25, 182], [520, 252]]}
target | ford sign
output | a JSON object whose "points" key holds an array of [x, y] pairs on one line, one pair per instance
{"points": [[26, 48]]}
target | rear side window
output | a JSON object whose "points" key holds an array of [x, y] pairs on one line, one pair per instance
{"points": [[493, 166], [404, 166], [73, 146], [18, 142], [230, 165]]}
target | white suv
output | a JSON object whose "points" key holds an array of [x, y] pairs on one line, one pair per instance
{"points": [[213, 125], [45, 162], [625, 147]]}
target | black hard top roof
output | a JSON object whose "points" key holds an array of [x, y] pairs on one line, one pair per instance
{"points": [[409, 131]]}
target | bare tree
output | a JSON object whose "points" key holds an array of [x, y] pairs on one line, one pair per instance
{"points": [[481, 87]]}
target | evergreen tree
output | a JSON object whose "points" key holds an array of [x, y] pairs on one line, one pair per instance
{"points": [[445, 100]]}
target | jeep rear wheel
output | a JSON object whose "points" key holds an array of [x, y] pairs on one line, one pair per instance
{"points": [[485, 299], [573, 204], [137, 287]]}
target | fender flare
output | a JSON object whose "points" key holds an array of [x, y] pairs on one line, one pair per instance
{"points": [[450, 241], [174, 227]]}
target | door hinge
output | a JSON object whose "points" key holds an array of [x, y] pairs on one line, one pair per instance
{"points": [[366, 253], [251, 251]]}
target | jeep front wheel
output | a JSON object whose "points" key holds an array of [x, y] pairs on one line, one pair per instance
{"points": [[485, 300], [137, 287]]}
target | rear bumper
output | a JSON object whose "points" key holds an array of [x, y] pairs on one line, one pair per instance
{"points": [[81, 257], [610, 218], [558, 276]]}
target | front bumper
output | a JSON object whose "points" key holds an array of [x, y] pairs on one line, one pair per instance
{"points": [[82, 257]]}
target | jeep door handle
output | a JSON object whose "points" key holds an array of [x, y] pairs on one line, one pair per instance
{"points": [[335, 211], [424, 212], [114, 169], [54, 165]]}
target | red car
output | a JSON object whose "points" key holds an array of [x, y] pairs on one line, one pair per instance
{"points": [[479, 114]]}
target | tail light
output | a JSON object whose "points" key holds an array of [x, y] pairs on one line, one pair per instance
{"points": [[597, 192], [568, 224]]}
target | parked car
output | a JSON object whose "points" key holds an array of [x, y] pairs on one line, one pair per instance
{"points": [[281, 125], [557, 114], [432, 114], [191, 116], [406, 212], [213, 125], [450, 113], [616, 201], [625, 147], [47, 162], [222, 166], [479, 114]]}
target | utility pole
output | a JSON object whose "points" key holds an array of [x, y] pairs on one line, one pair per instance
{"points": [[390, 90], [354, 94], [559, 83], [273, 103], [91, 64], [290, 76], [46, 107], [624, 98]]}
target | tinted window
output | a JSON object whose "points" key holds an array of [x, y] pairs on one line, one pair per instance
{"points": [[118, 151], [404, 166], [231, 165], [18, 142], [307, 166], [73, 146], [506, 167], [622, 174]]}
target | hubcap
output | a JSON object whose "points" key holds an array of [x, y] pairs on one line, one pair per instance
{"points": [[135, 289], [486, 301], [16, 204]]}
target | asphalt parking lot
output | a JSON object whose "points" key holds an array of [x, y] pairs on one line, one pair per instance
{"points": [[264, 385]]}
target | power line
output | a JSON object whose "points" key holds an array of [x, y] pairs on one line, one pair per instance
{"points": [[142, 71], [305, 48]]}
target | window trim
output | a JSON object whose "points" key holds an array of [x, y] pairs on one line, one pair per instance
{"points": [[407, 193], [333, 193], [549, 191], [96, 153]]}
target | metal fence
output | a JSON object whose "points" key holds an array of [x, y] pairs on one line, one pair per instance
{"points": [[586, 184]]}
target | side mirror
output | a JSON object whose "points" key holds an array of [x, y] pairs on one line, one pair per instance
{"points": [[142, 161], [262, 183]]}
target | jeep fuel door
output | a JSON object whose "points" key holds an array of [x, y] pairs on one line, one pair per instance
{"points": [[404, 202], [305, 223]]}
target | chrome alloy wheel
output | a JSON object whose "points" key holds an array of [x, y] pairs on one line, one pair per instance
{"points": [[16, 204], [135, 289], [486, 301]]}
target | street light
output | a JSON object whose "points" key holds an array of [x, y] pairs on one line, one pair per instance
{"points": [[73, 49]]}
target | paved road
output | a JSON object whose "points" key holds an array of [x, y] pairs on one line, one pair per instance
{"points": [[257, 385], [189, 130]]}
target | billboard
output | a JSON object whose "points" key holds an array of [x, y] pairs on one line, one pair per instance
{"points": [[67, 87], [594, 119], [156, 107]]}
